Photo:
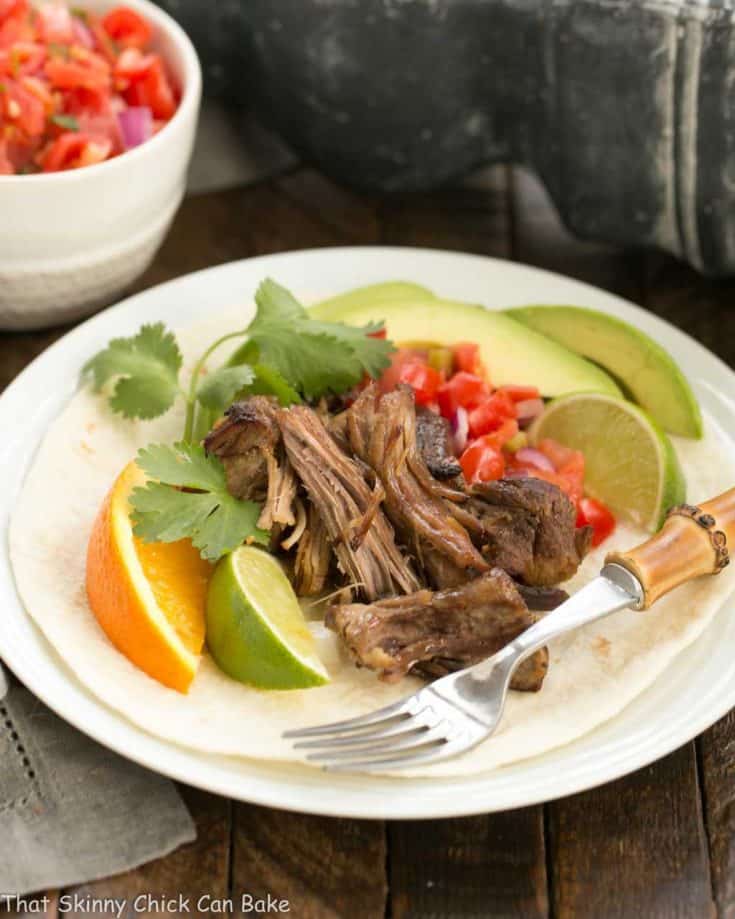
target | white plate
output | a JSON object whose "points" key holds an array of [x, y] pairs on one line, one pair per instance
{"points": [[693, 693]]}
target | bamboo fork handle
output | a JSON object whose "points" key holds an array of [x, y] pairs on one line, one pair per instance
{"points": [[692, 542]]}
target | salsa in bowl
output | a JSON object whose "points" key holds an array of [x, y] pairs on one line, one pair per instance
{"points": [[77, 87], [76, 238]]}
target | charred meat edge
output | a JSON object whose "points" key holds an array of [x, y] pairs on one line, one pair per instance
{"points": [[434, 440], [433, 632], [366, 552], [527, 527], [248, 441]]}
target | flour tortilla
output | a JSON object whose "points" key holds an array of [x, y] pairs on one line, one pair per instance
{"points": [[594, 673]]}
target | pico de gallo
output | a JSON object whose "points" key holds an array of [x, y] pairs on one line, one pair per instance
{"points": [[77, 88], [488, 425]]}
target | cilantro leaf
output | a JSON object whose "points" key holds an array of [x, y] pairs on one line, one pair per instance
{"points": [[147, 367], [215, 522], [220, 387], [314, 357], [68, 122]]}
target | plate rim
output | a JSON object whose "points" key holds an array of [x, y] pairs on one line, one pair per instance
{"points": [[260, 793]]}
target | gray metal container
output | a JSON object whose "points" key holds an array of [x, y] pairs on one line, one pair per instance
{"points": [[623, 108]]}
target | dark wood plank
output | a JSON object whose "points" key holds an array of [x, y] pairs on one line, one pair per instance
{"points": [[325, 868], [635, 847], [44, 905], [199, 869], [471, 218], [17, 350], [489, 866], [352, 215], [717, 759], [700, 306]]}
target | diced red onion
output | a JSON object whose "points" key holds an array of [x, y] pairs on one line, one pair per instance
{"points": [[136, 125], [460, 429], [534, 458], [82, 35], [529, 409]]}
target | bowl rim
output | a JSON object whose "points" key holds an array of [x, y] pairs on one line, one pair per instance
{"points": [[188, 106]]}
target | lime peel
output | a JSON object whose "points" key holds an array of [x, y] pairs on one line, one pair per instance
{"points": [[256, 630], [630, 463]]}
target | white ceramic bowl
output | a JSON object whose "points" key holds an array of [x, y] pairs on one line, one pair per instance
{"points": [[70, 242]]}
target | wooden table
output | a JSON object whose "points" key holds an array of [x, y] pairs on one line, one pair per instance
{"points": [[659, 843]]}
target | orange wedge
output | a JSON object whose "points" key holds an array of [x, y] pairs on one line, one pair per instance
{"points": [[149, 598]]}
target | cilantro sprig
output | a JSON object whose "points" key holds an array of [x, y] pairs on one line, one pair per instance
{"points": [[285, 353], [205, 512], [314, 357], [146, 370]]}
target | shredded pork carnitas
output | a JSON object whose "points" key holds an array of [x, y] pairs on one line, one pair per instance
{"points": [[370, 500]]}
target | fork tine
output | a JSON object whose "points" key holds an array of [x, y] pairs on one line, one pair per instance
{"points": [[433, 753], [404, 707], [370, 734], [408, 740]]}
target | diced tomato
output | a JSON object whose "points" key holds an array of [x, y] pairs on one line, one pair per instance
{"points": [[74, 149], [54, 24], [127, 28], [22, 109], [132, 65], [391, 375], [569, 465], [81, 69], [21, 59], [482, 461], [15, 23], [467, 358], [520, 393], [465, 390], [490, 414], [87, 100], [39, 89], [507, 431], [424, 380], [595, 514], [12, 8], [381, 333], [105, 45], [153, 90]]}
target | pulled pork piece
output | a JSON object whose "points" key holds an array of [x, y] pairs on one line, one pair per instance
{"points": [[244, 439], [248, 441], [360, 535], [313, 556], [436, 632], [526, 526], [382, 432], [434, 439]]}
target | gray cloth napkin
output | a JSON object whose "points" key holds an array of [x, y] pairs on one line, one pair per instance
{"points": [[72, 811]]}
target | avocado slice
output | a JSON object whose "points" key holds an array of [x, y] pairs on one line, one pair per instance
{"points": [[511, 352], [647, 371], [387, 292]]}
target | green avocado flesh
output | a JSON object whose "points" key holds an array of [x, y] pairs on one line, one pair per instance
{"points": [[511, 352], [645, 369], [373, 294]]}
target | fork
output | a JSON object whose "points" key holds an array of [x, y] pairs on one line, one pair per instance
{"points": [[458, 711]]}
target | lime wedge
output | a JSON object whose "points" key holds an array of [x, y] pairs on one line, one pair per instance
{"points": [[630, 463], [256, 631]]}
